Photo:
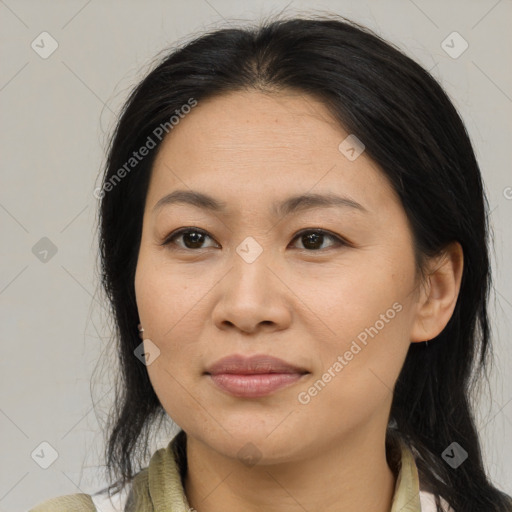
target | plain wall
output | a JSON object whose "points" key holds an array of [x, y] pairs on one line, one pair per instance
{"points": [[56, 114]]}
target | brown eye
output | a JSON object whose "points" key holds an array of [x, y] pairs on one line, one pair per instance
{"points": [[192, 238], [313, 239]]}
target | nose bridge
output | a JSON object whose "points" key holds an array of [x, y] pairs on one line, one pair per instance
{"points": [[250, 272], [251, 294]]}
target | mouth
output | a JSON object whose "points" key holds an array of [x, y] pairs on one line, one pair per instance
{"points": [[253, 377]]}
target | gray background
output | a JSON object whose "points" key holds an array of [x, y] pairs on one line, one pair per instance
{"points": [[56, 115]]}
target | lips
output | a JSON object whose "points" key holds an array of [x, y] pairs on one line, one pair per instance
{"points": [[254, 365], [253, 377]]}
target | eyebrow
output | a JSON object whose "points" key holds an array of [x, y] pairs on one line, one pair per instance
{"points": [[292, 204]]}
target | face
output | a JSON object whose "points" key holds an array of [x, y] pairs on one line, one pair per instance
{"points": [[327, 288]]}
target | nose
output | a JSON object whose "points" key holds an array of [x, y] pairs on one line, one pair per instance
{"points": [[252, 296]]}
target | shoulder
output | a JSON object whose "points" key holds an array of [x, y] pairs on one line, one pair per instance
{"points": [[75, 502], [115, 503], [99, 502], [428, 503]]}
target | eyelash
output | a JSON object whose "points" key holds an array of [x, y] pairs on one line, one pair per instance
{"points": [[182, 231]]}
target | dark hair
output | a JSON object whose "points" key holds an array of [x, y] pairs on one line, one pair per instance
{"points": [[412, 131]]}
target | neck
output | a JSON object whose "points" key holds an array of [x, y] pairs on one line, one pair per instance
{"points": [[351, 476]]}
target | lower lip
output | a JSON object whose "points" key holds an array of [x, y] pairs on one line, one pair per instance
{"points": [[255, 385]]}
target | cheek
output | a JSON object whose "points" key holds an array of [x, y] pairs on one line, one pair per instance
{"points": [[173, 317], [165, 300], [357, 376], [364, 316], [176, 372], [179, 398]]}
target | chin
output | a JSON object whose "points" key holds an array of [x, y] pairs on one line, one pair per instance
{"points": [[252, 444]]}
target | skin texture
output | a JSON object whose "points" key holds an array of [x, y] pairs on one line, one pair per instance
{"points": [[300, 300]]}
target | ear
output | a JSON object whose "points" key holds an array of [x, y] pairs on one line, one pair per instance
{"points": [[438, 296]]}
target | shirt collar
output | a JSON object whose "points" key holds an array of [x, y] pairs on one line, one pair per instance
{"points": [[407, 487], [406, 496]]}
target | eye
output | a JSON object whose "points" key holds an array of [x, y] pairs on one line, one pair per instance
{"points": [[312, 239], [192, 237]]}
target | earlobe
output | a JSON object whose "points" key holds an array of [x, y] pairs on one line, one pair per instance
{"points": [[437, 300]]}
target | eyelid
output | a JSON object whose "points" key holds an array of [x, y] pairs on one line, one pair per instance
{"points": [[339, 240], [181, 231]]}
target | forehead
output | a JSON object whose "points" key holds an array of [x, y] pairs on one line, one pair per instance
{"points": [[251, 144], [249, 121]]}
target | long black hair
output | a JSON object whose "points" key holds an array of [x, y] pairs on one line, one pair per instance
{"points": [[411, 130]]}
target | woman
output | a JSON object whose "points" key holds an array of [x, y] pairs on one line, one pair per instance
{"points": [[294, 242]]}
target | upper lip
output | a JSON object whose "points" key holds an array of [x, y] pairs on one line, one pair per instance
{"points": [[257, 364]]}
